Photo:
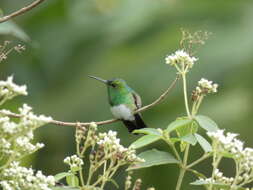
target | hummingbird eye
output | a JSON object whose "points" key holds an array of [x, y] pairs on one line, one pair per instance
{"points": [[113, 85]]}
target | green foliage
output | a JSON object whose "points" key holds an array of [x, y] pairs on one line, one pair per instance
{"points": [[145, 140], [189, 138], [154, 158], [117, 36], [206, 123], [185, 133], [148, 131], [72, 180], [62, 175], [181, 122], [203, 143]]}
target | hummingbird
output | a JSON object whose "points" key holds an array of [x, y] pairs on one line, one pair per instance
{"points": [[123, 102]]}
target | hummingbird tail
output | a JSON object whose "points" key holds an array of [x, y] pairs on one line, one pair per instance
{"points": [[138, 123]]}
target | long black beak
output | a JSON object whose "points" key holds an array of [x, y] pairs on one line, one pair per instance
{"points": [[99, 79]]}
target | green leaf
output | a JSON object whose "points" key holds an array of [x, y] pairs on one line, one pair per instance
{"points": [[206, 123], [64, 188], [72, 180], [185, 131], [145, 140], [59, 176], [178, 123], [190, 138], [154, 158], [203, 143], [10, 28], [188, 129], [75, 169], [217, 185], [148, 131]]}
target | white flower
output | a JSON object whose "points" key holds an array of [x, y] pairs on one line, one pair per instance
{"points": [[6, 185], [208, 85], [229, 144], [74, 162], [111, 145], [205, 87], [17, 177], [30, 119], [8, 89], [22, 129], [180, 57]]}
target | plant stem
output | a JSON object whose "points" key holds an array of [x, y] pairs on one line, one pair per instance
{"points": [[237, 174], [173, 148], [7, 163], [180, 178], [196, 107], [216, 161], [196, 173], [81, 177], [183, 168], [81, 170], [205, 156], [90, 175], [184, 164], [185, 94]]}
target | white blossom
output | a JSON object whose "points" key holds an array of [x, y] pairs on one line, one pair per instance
{"points": [[22, 129], [205, 86], [228, 144], [110, 143], [8, 89], [16, 142], [74, 162], [180, 57], [17, 177]]}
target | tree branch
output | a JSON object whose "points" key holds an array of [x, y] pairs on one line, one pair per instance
{"points": [[85, 124], [21, 11]]}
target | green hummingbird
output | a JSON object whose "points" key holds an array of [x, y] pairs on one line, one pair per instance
{"points": [[123, 102]]}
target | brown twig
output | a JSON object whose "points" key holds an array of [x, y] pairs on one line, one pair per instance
{"points": [[21, 11], [74, 124]]}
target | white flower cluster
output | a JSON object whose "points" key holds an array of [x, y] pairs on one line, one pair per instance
{"points": [[228, 144], [8, 89], [219, 177], [180, 57], [205, 86], [111, 145], [16, 177], [19, 134], [30, 119], [74, 162]]}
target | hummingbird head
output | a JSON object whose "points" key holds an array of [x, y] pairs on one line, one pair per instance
{"points": [[113, 83]]}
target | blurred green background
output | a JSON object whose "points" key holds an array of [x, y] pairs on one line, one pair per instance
{"points": [[70, 39]]}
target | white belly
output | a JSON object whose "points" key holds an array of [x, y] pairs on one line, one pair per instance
{"points": [[122, 112]]}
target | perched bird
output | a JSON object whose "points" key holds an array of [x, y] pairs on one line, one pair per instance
{"points": [[123, 101]]}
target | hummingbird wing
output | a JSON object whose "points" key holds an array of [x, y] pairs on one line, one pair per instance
{"points": [[138, 123], [137, 100]]}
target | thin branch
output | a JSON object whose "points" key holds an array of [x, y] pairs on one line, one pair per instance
{"points": [[74, 124], [21, 11]]}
